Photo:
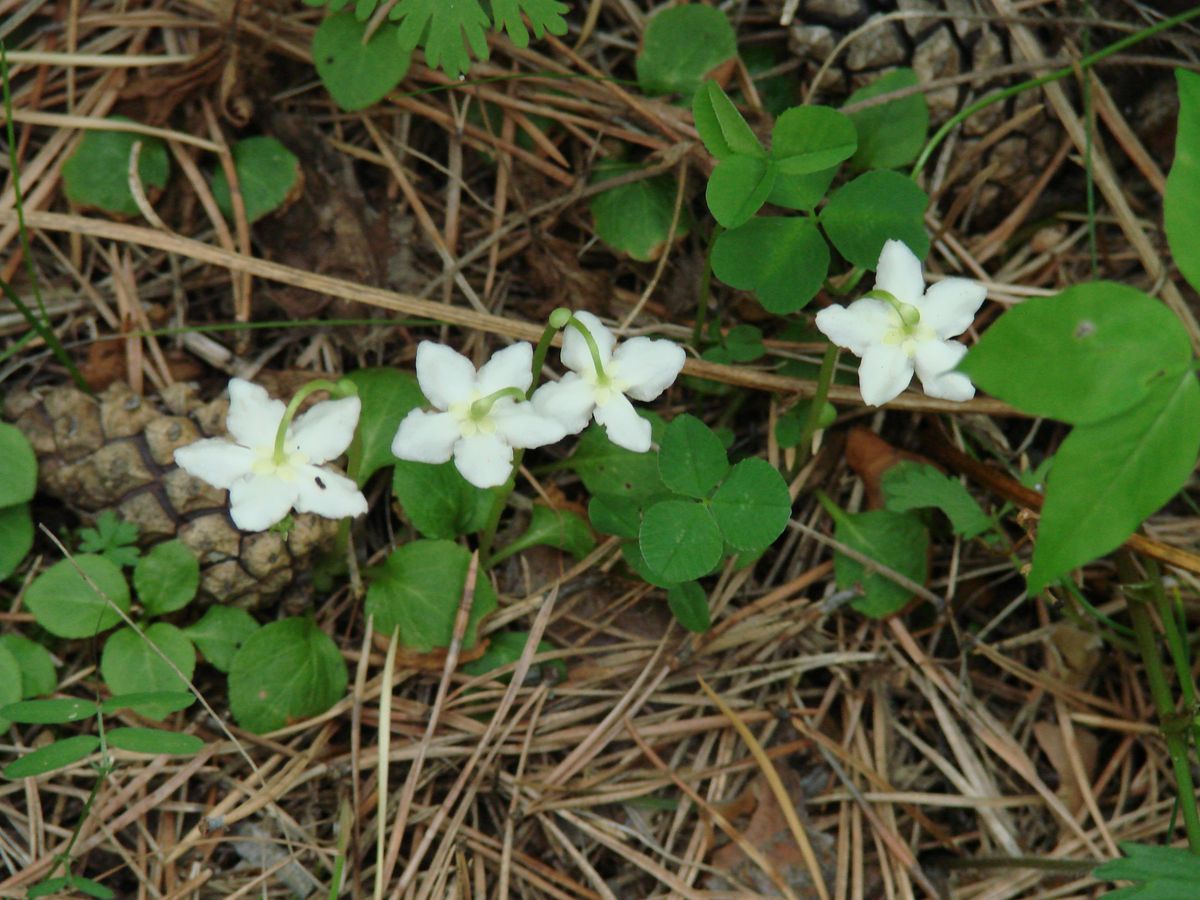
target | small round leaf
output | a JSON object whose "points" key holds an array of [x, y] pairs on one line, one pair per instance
{"points": [[16, 537], [738, 187], [681, 45], [67, 606], [129, 663], [783, 259], [37, 665], [287, 670], [18, 466], [679, 540], [809, 139], [689, 604], [691, 460], [355, 75], [267, 175], [752, 506], [220, 632], [166, 578], [873, 208], [97, 173]]}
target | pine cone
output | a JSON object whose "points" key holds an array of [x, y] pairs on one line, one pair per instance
{"points": [[116, 452]]}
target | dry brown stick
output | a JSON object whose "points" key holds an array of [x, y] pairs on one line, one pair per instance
{"points": [[1001, 484], [407, 304]]}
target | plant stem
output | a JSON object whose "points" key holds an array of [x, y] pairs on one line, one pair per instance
{"points": [[705, 290], [1081, 65], [487, 536], [1174, 726], [321, 384], [813, 419]]}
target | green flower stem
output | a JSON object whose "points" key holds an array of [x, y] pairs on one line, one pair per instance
{"points": [[705, 289], [591, 345], [1058, 74], [1174, 725], [543, 346], [481, 407], [909, 314], [819, 398], [337, 389], [487, 537]]}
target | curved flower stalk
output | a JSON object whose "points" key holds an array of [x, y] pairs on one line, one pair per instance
{"points": [[273, 466], [602, 379], [900, 327], [480, 416]]}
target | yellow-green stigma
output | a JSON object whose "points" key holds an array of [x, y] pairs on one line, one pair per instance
{"points": [[285, 465]]}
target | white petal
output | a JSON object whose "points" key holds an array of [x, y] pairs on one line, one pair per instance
{"points": [[216, 461], [329, 494], [624, 426], [253, 416], [575, 353], [857, 326], [521, 425], [446, 377], [259, 501], [325, 431], [884, 372], [935, 362], [899, 272], [510, 367], [648, 366], [426, 437], [949, 306], [570, 400], [484, 460]]}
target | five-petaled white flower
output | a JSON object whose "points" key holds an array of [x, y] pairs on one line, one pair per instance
{"points": [[901, 327], [481, 415], [264, 483], [641, 368]]}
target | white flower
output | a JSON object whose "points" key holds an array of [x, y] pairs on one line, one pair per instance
{"points": [[481, 416], [907, 330], [640, 368], [264, 488]]}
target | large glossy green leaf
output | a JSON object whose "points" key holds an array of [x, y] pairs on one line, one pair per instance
{"points": [[1181, 204], [1085, 354], [1109, 476]]}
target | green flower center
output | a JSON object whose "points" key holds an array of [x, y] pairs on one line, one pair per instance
{"points": [[285, 467]]}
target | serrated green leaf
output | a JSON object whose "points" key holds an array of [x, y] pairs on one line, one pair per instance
{"points": [[37, 665], [1181, 203], [679, 540], [681, 45], [167, 578], [97, 173], [784, 260], [635, 217], [220, 632], [1109, 476], [153, 740], [355, 75], [873, 208], [893, 133], [129, 663], [606, 468], [689, 605], [287, 670], [267, 174], [53, 756], [1086, 354], [691, 461], [896, 540], [544, 16], [419, 589], [151, 704], [752, 506], [18, 466], [448, 29], [808, 139], [720, 126], [911, 485], [438, 502], [505, 648], [559, 528], [49, 712], [387, 396], [67, 606], [112, 537], [738, 187], [16, 537]]}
